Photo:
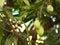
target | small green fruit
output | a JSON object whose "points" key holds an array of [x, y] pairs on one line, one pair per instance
{"points": [[37, 24], [40, 31], [50, 8]]}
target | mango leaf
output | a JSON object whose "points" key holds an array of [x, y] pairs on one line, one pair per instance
{"points": [[1, 3], [15, 40], [58, 1], [27, 2], [11, 40], [26, 7], [37, 1], [1, 35], [8, 13], [23, 14]]}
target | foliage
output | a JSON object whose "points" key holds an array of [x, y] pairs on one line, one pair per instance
{"points": [[18, 25]]}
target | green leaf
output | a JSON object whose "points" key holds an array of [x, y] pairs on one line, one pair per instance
{"points": [[26, 7], [11, 40], [37, 1], [8, 13], [58, 1], [1, 35], [1, 3], [23, 14], [27, 2]]}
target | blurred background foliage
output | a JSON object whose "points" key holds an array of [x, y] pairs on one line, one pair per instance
{"points": [[17, 19]]}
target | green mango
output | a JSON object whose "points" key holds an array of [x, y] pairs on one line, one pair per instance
{"points": [[50, 8], [37, 24], [40, 31]]}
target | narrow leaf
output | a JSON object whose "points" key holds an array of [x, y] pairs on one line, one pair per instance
{"points": [[26, 2]]}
